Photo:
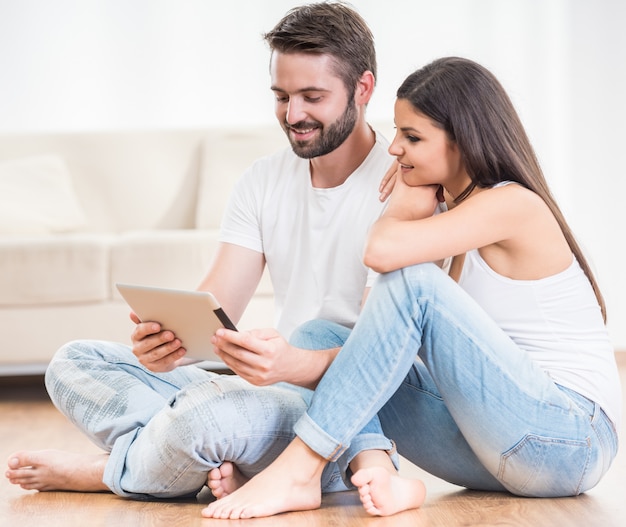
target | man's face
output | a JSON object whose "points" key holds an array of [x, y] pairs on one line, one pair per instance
{"points": [[312, 104]]}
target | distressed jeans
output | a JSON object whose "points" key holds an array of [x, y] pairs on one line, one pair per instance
{"points": [[165, 432], [456, 394]]}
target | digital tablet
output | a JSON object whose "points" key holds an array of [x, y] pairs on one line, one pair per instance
{"points": [[193, 316]]}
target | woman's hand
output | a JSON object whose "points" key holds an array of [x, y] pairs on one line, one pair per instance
{"points": [[412, 202], [386, 248], [388, 182]]}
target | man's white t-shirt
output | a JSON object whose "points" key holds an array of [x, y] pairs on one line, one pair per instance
{"points": [[312, 239]]}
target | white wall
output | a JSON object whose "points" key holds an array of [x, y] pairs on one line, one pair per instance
{"points": [[70, 65]]}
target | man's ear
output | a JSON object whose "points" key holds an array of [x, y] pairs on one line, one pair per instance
{"points": [[364, 88]]}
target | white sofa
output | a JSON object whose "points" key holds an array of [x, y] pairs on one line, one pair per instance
{"points": [[82, 211]]}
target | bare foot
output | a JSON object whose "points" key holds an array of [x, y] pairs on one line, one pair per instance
{"points": [[288, 484], [384, 494], [47, 470], [225, 480]]}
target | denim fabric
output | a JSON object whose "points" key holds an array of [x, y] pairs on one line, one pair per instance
{"points": [[164, 432], [456, 394], [371, 437]]}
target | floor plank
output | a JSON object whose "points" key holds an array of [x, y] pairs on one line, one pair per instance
{"points": [[29, 421]]}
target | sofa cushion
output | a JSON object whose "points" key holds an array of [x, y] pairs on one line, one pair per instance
{"points": [[168, 258], [54, 269], [163, 258], [225, 157], [37, 197], [34, 333]]}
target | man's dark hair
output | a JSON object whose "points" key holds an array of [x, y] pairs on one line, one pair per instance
{"points": [[331, 28]]}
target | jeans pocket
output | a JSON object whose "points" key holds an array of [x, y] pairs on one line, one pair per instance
{"points": [[544, 466], [607, 440]]}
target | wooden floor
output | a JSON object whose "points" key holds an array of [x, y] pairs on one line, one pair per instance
{"points": [[29, 421]]}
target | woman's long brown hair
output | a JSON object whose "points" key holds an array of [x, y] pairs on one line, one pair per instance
{"points": [[470, 104]]}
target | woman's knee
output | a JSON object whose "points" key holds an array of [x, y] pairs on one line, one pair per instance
{"points": [[413, 276]]}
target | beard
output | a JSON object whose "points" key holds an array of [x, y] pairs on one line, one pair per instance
{"points": [[329, 138]]}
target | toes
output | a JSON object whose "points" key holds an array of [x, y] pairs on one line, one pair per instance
{"points": [[218, 493], [219, 511], [19, 477], [364, 490], [23, 460], [19, 473], [237, 513], [209, 512], [226, 469], [15, 462]]}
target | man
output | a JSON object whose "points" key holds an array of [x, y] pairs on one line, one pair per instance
{"points": [[304, 213]]}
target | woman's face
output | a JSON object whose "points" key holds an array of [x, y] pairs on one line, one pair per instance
{"points": [[425, 153]]}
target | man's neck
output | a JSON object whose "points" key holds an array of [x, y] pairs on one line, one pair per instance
{"points": [[333, 169]]}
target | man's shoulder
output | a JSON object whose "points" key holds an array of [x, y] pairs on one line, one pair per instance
{"points": [[381, 147], [378, 160]]}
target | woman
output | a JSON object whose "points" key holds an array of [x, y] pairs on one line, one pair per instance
{"points": [[515, 386]]}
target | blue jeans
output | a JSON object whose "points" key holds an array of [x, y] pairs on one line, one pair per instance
{"points": [[456, 394], [165, 432]]}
